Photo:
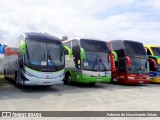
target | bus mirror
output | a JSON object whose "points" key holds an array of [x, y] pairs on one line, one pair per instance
{"points": [[83, 54], [69, 51], [23, 47], [113, 59], [153, 61], [128, 61], [115, 55]]}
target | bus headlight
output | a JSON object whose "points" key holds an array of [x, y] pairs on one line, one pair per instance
{"points": [[148, 78], [129, 77], [28, 73], [61, 75], [86, 74]]}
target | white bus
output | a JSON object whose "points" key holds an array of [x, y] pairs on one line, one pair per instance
{"points": [[38, 59]]}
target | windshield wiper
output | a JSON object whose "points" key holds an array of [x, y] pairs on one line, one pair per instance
{"points": [[27, 53], [94, 64], [139, 69], [103, 64], [61, 55], [50, 58]]}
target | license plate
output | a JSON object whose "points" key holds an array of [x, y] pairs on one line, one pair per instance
{"points": [[46, 83], [140, 81], [99, 79]]}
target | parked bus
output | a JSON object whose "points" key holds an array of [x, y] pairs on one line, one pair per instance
{"points": [[154, 62], [131, 66], [35, 59], [89, 62]]}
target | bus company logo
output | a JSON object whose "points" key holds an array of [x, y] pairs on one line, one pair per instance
{"points": [[47, 76], [122, 77], [6, 114]]}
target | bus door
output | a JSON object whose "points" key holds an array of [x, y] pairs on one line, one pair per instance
{"points": [[77, 59], [120, 74]]}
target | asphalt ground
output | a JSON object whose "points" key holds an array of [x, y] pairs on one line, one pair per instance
{"points": [[80, 97]]}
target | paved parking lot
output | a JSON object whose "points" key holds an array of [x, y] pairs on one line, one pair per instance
{"points": [[80, 97]]}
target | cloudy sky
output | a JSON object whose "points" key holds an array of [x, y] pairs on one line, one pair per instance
{"points": [[99, 19]]}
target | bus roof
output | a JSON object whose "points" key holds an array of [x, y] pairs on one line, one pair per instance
{"points": [[127, 41], [149, 45], [83, 39], [41, 37]]}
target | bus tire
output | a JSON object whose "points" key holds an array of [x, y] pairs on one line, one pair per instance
{"points": [[4, 74], [17, 81], [48, 86], [68, 79], [92, 83]]}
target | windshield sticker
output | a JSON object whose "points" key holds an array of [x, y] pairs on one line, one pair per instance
{"points": [[43, 63], [85, 63], [106, 73]]}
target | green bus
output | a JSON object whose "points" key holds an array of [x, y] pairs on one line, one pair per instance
{"points": [[88, 61]]}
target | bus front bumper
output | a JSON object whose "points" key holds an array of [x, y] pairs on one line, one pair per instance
{"points": [[155, 79], [28, 80], [138, 81], [88, 79]]}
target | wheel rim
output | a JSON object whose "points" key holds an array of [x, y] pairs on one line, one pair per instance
{"points": [[69, 79], [4, 72], [92, 83], [17, 81]]}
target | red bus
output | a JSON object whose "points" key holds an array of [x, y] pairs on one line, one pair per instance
{"points": [[131, 64]]}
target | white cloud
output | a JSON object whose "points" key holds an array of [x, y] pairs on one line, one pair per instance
{"points": [[76, 18], [153, 4]]}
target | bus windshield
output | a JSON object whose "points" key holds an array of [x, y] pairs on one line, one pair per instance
{"points": [[158, 68], [156, 51], [139, 66], [44, 54], [55, 54], [96, 61], [134, 49], [94, 45]]}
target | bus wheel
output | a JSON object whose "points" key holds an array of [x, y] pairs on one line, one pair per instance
{"points": [[68, 79], [92, 83], [4, 74], [48, 86], [17, 81]]}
